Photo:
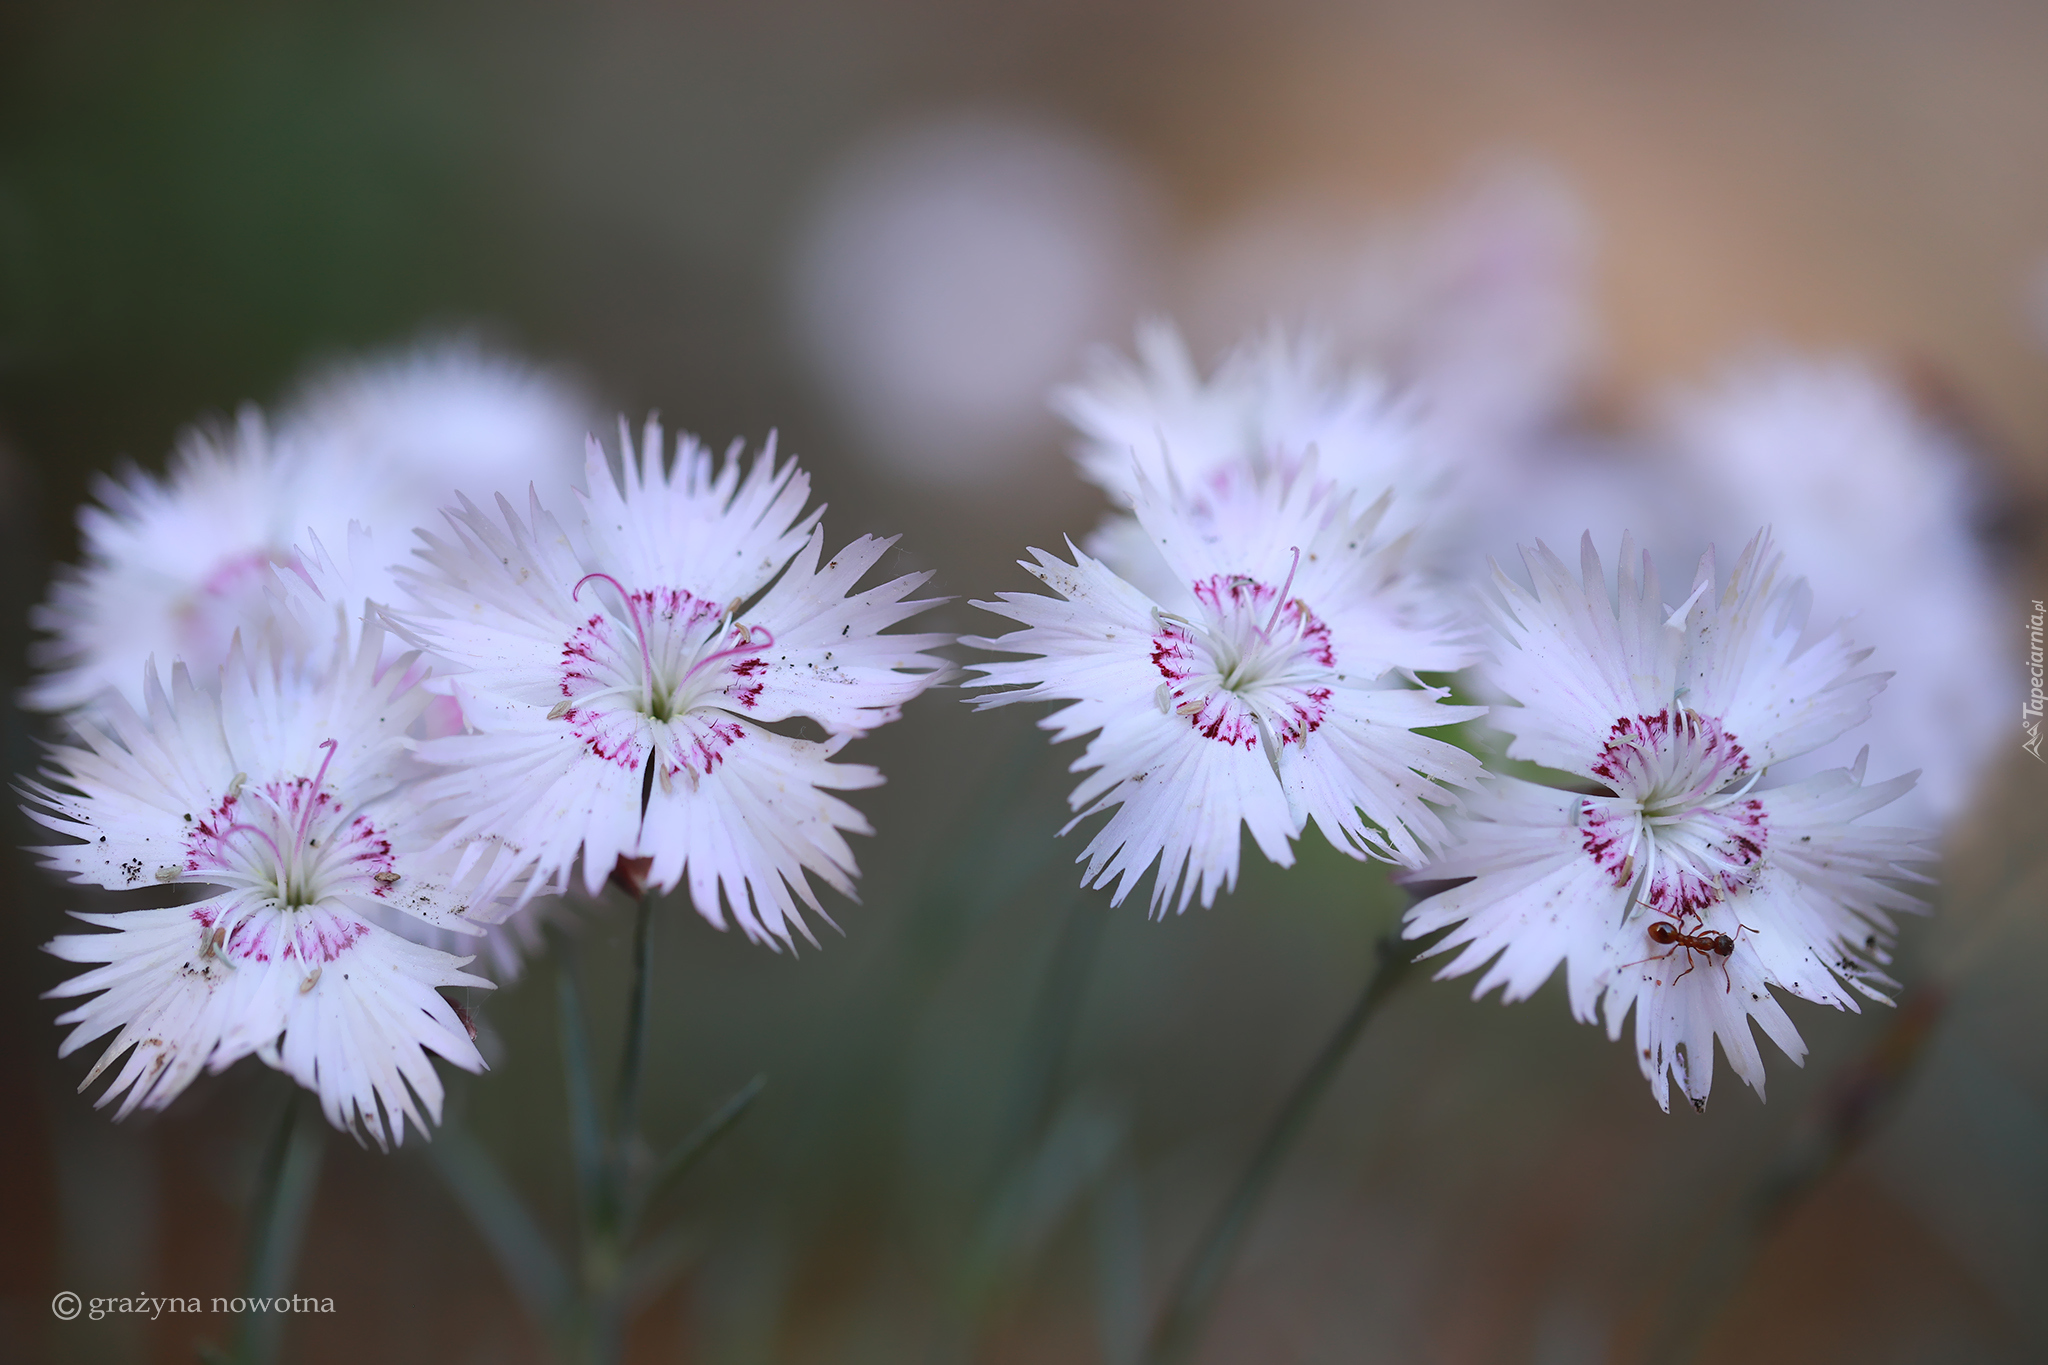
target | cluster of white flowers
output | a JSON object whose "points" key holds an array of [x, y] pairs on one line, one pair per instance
{"points": [[369, 767], [377, 762], [1245, 640]]}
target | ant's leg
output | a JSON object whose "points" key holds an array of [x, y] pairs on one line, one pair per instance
{"points": [[1690, 963], [1653, 957], [1740, 928]]}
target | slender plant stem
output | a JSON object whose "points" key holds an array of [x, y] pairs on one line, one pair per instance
{"points": [[1060, 998], [1041, 1061], [586, 1124], [687, 1153], [626, 1121], [502, 1219], [605, 1248], [1179, 1329], [587, 1309], [595, 1343], [277, 1224]]}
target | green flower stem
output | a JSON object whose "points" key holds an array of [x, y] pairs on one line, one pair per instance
{"points": [[1181, 1322], [689, 1151], [586, 1309], [277, 1224], [586, 1124], [993, 1254], [502, 1219], [1064, 991], [626, 1123], [605, 1281]]}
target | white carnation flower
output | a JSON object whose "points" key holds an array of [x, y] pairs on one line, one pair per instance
{"points": [[174, 566], [1674, 883], [1264, 691], [287, 791], [418, 425], [1269, 405], [620, 685], [1835, 457]]}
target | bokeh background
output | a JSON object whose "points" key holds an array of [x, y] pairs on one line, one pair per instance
{"points": [[200, 201]]}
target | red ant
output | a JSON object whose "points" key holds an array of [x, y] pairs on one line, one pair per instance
{"points": [[1663, 932]]}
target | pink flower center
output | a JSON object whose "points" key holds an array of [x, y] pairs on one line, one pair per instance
{"points": [[230, 594], [1681, 827], [290, 841], [661, 671], [1251, 667]]}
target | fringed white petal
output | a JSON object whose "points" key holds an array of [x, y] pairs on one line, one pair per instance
{"points": [[348, 1009]]}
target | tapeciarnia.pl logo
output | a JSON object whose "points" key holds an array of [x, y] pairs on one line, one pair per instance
{"points": [[2030, 714]]}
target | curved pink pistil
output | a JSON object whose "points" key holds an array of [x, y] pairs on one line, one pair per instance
{"points": [[747, 645], [632, 612]]}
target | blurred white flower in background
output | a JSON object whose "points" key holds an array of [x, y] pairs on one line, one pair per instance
{"points": [[174, 565], [1449, 347], [1479, 304], [1559, 485], [2037, 303], [1269, 407], [424, 423], [1882, 503], [409, 430], [946, 279]]}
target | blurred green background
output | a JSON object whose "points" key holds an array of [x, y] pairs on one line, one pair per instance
{"points": [[198, 201]]}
